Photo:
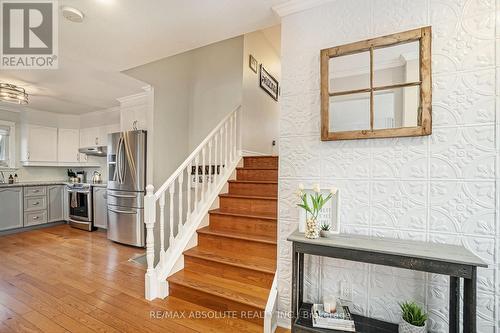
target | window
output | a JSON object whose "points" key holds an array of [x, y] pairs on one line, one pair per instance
{"points": [[377, 88], [7, 144]]}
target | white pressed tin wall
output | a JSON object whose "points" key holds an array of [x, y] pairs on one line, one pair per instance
{"points": [[441, 188]]}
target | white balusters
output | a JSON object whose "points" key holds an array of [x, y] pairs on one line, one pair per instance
{"points": [[188, 186], [235, 138], [210, 163], [226, 144], [231, 138], [203, 172], [221, 135], [149, 220], [181, 225], [171, 220], [216, 159], [162, 224], [197, 161], [219, 155]]}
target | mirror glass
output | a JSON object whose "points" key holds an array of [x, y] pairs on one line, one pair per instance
{"points": [[350, 112], [396, 64], [395, 108], [349, 72]]}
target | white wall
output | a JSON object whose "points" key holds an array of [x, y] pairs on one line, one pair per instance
{"points": [[193, 92], [439, 188], [260, 111], [216, 81]]}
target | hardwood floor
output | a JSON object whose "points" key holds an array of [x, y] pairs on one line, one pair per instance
{"points": [[61, 279]]}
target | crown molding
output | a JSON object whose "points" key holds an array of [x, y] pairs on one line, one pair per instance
{"points": [[295, 6]]}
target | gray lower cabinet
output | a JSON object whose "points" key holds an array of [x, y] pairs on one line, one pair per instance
{"points": [[55, 196], [11, 206], [100, 207]]}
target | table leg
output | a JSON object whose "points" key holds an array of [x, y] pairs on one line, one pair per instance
{"points": [[470, 303], [295, 266], [454, 312], [301, 279]]}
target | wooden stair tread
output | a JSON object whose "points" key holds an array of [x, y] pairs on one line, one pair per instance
{"points": [[252, 181], [237, 259], [255, 216], [262, 156], [240, 196], [229, 289], [254, 168], [238, 235]]}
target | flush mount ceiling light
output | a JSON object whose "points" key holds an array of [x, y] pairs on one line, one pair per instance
{"points": [[72, 14], [13, 94]]}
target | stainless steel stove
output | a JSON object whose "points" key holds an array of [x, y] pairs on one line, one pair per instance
{"points": [[80, 206]]}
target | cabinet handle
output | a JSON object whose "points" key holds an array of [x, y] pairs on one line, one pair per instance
{"points": [[97, 141], [36, 203], [36, 191], [35, 217], [27, 156]]}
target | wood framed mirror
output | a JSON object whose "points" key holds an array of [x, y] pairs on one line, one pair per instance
{"points": [[377, 88]]}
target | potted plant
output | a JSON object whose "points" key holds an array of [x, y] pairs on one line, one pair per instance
{"points": [[325, 230], [413, 318], [312, 204]]}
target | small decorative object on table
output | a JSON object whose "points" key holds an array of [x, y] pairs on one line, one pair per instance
{"points": [[325, 230], [413, 318], [334, 316], [312, 204]]}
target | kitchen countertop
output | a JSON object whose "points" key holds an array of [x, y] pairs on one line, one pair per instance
{"points": [[45, 183]]}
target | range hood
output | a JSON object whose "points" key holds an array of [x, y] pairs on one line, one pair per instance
{"points": [[95, 151]]}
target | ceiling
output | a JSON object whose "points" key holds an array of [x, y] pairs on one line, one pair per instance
{"points": [[120, 34]]}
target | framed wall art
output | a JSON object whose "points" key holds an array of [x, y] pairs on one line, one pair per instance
{"points": [[268, 83], [252, 63]]}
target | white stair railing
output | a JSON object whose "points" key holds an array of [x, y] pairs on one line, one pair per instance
{"points": [[218, 154]]}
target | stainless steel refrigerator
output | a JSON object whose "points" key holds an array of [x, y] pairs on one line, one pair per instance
{"points": [[126, 187]]}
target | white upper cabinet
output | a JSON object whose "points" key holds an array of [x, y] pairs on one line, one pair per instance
{"points": [[38, 144], [89, 137], [134, 111], [68, 144], [96, 136]]}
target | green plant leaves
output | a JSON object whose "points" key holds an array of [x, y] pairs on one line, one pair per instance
{"points": [[413, 314]]}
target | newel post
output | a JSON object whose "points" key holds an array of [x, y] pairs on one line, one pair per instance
{"points": [[151, 291]]}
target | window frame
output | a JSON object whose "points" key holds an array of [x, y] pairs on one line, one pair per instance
{"points": [[424, 123], [12, 145]]}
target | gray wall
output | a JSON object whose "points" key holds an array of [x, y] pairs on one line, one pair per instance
{"points": [[193, 92]]}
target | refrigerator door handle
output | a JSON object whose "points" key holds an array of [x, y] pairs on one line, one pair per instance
{"points": [[122, 196], [120, 161], [116, 176], [118, 211]]}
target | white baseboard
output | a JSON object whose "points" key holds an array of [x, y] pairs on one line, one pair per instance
{"points": [[253, 153]]}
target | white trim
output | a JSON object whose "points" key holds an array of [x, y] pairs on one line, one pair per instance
{"points": [[134, 97], [12, 143], [270, 313], [295, 6], [253, 153]]}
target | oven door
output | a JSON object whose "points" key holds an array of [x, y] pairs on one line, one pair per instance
{"points": [[80, 205]]}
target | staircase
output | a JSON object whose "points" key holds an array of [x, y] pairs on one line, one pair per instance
{"points": [[233, 266]]}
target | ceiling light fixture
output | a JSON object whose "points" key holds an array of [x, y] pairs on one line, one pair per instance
{"points": [[13, 94], [72, 14]]}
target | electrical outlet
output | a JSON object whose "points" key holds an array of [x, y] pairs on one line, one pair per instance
{"points": [[346, 291]]}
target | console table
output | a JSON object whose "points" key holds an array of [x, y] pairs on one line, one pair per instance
{"points": [[454, 261]]}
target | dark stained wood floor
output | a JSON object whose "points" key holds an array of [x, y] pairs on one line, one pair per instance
{"points": [[61, 279]]}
